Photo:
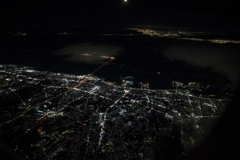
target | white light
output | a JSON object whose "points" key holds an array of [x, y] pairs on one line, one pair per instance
{"points": [[125, 0]]}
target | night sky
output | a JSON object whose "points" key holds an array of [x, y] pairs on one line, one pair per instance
{"points": [[31, 33], [205, 14], [176, 13]]}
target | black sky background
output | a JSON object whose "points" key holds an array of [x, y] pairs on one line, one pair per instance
{"points": [[175, 13]]}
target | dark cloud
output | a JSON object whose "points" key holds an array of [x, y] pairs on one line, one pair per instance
{"points": [[220, 58], [88, 53]]}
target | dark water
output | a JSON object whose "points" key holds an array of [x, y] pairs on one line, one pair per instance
{"points": [[141, 57]]}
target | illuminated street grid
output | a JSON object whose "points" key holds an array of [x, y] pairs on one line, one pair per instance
{"points": [[96, 119]]}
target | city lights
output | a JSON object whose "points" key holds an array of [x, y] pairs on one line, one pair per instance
{"points": [[182, 35], [91, 105], [119, 80]]}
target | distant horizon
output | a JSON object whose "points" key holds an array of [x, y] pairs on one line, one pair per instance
{"points": [[49, 26]]}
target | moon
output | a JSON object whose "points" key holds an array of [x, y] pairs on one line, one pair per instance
{"points": [[125, 0]]}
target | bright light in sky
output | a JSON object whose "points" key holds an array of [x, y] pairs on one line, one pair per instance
{"points": [[125, 0]]}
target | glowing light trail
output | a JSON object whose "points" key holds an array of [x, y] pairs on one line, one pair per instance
{"points": [[112, 58]]}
